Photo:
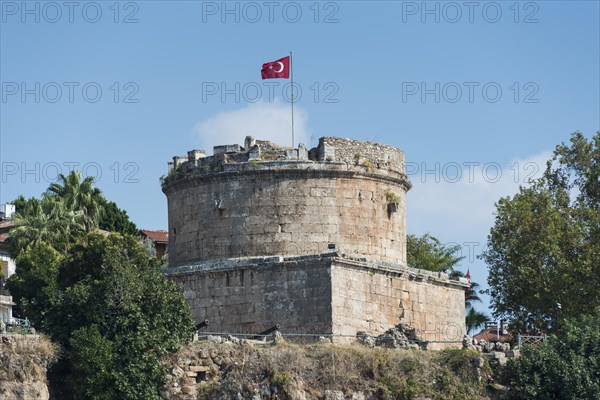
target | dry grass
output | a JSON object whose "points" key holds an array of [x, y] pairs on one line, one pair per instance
{"points": [[386, 373], [25, 358]]}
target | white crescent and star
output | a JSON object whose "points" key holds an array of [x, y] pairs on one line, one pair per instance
{"points": [[282, 66]]}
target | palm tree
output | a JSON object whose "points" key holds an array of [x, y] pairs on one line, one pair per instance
{"points": [[47, 221], [475, 319], [427, 252], [79, 195], [471, 292]]}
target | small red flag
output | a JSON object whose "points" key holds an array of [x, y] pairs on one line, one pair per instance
{"points": [[276, 69], [468, 275]]}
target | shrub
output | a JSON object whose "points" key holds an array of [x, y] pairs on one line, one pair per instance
{"points": [[566, 366]]}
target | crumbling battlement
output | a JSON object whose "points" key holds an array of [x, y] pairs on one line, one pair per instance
{"points": [[262, 199], [339, 152]]}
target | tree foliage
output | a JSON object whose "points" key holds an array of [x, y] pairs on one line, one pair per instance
{"points": [[115, 317], [34, 286], [102, 299], [427, 252], [475, 319], [563, 367], [114, 219], [79, 195], [47, 221], [67, 211], [544, 247]]}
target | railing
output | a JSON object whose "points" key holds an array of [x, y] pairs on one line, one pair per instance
{"points": [[529, 339], [17, 325]]}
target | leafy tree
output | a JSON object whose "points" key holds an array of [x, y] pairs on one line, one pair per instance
{"points": [[20, 203], [114, 219], [563, 367], [34, 286], [116, 316], [427, 252], [544, 247]]}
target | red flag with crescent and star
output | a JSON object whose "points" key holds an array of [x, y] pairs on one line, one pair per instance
{"points": [[276, 69]]}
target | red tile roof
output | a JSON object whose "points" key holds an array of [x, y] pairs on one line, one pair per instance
{"points": [[7, 223], [491, 335], [158, 236], [5, 227]]}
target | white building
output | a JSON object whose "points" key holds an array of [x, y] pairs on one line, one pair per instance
{"points": [[6, 262]]}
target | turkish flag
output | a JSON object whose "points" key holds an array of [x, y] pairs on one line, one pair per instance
{"points": [[276, 69]]}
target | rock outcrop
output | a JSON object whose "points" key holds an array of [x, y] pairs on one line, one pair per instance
{"points": [[24, 360], [232, 368]]}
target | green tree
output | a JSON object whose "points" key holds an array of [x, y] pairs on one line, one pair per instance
{"points": [[34, 285], [65, 214], [47, 221], [544, 247], [116, 316], [427, 252], [20, 203], [79, 195], [563, 367], [114, 219]]}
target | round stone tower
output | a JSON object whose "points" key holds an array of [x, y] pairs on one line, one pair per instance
{"points": [[261, 199]]}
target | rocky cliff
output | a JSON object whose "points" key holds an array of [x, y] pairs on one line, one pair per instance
{"points": [[24, 360], [238, 369]]}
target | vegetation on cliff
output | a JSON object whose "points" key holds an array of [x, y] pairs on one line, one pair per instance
{"points": [[24, 360], [289, 371], [102, 299]]}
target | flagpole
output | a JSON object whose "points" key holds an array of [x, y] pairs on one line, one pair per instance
{"points": [[292, 77]]}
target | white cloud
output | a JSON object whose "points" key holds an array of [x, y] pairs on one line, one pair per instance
{"points": [[263, 120], [458, 199], [461, 211]]}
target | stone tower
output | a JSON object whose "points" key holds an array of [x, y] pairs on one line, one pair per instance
{"points": [[313, 240], [265, 200]]}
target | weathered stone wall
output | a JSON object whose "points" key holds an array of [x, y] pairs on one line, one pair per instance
{"points": [[284, 212], [377, 155], [251, 296], [323, 295], [373, 299]]}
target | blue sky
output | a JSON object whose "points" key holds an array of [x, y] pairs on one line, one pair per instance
{"points": [[476, 94]]}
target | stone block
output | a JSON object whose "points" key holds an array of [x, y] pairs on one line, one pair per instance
{"points": [[512, 353], [199, 368]]}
